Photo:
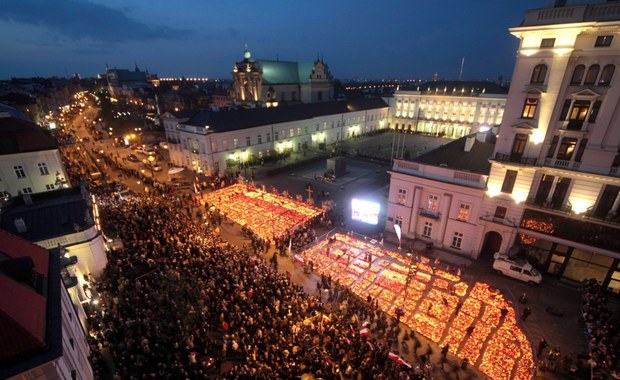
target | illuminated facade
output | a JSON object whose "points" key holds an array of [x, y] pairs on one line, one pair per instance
{"points": [[214, 141], [448, 109], [275, 82], [555, 168]]}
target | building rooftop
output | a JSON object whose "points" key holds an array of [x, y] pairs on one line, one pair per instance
{"points": [[30, 308], [236, 119], [454, 156], [457, 88], [285, 72], [19, 136], [572, 12], [50, 214]]}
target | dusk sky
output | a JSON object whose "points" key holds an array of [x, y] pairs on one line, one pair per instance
{"points": [[406, 39]]}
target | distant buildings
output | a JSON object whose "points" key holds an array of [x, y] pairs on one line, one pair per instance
{"points": [[269, 81], [40, 332], [30, 160], [123, 82], [215, 141]]}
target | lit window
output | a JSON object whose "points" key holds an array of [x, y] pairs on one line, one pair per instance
{"points": [[529, 109], [402, 197], [433, 202], [235, 143], [464, 211], [500, 212], [428, 229], [457, 240], [567, 147]]}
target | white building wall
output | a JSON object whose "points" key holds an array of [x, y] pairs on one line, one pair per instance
{"points": [[34, 179]]}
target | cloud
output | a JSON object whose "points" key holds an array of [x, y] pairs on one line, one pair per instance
{"points": [[83, 20]]}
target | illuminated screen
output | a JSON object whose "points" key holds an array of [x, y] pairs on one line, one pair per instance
{"points": [[364, 211]]}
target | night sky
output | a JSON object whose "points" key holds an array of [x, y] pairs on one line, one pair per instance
{"points": [[365, 39]]}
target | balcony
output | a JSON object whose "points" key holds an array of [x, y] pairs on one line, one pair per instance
{"points": [[430, 214], [564, 208], [562, 164], [501, 157]]}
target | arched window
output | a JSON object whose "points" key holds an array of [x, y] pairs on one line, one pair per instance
{"points": [[606, 75], [539, 74], [578, 74], [592, 74]]}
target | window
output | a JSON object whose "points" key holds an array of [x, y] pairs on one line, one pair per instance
{"points": [[43, 168], [547, 42], [603, 41], [291, 132], [509, 181], [248, 141], [500, 212], [554, 144], [49, 187], [276, 136], [578, 114], [539, 74], [428, 229], [268, 135], [398, 219], [235, 143], [319, 95], [464, 212], [27, 190], [72, 343], [401, 197], [581, 149], [594, 111], [578, 74], [529, 108], [213, 146], [592, 74], [433, 202], [518, 146], [606, 75], [283, 134], [567, 147], [19, 171], [298, 131], [260, 139], [225, 144], [457, 239]]}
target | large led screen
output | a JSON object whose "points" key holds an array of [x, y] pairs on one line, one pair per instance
{"points": [[365, 211]]}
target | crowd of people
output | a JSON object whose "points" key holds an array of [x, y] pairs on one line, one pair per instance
{"points": [[602, 332], [179, 302]]}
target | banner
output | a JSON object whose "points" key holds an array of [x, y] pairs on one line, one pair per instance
{"points": [[398, 232]]}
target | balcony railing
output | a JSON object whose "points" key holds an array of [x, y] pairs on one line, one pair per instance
{"points": [[501, 157], [430, 214]]}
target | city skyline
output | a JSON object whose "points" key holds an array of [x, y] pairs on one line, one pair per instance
{"points": [[408, 40]]}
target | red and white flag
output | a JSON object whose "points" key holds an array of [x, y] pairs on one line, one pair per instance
{"points": [[366, 324], [395, 358], [365, 332], [372, 346]]}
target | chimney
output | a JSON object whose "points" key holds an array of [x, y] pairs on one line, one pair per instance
{"points": [[469, 143]]}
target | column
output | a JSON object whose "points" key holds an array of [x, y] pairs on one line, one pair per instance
{"points": [[415, 210], [445, 211], [614, 207]]}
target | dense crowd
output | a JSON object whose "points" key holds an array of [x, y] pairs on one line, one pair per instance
{"points": [[180, 303], [602, 332]]}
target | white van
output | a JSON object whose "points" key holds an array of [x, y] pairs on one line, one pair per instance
{"points": [[516, 268]]}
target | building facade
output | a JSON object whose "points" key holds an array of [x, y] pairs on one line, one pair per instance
{"points": [[30, 159], [275, 81], [215, 141], [555, 168], [437, 198], [448, 109]]}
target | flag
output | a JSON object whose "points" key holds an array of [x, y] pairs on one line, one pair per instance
{"points": [[299, 259], [290, 244], [372, 346], [365, 332], [366, 324], [395, 358]]}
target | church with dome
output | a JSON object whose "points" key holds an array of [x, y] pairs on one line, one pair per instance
{"points": [[274, 82]]}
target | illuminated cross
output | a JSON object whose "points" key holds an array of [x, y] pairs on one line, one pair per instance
{"points": [[309, 191]]}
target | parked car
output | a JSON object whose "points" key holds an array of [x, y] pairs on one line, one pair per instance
{"points": [[516, 268], [132, 157]]}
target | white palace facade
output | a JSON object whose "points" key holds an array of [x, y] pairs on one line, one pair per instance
{"points": [[448, 109]]}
